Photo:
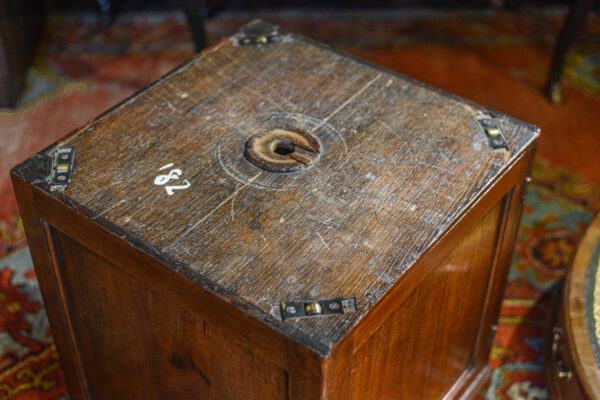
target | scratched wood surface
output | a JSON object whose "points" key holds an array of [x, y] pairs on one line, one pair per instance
{"points": [[398, 164]]}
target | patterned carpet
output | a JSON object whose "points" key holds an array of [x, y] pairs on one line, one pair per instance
{"points": [[557, 210], [83, 68]]}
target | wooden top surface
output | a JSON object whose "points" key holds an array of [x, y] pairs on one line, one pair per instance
{"points": [[399, 162], [582, 299]]}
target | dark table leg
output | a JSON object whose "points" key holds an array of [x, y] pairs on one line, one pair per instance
{"points": [[21, 25], [573, 22], [196, 13], [109, 10]]}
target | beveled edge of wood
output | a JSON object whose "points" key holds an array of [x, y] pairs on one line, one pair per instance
{"points": [[576, 321], [32, 169]]}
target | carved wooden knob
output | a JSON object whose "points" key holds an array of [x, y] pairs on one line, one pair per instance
{"points": [[282, 150]]}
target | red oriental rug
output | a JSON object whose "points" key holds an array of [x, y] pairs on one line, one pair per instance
{"points": [[84, 67]]}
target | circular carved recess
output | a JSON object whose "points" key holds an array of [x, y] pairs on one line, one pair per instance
{"points": [[283, 150]]}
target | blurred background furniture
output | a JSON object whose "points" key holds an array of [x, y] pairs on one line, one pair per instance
{"points": [[21, 24], [573, 22]]}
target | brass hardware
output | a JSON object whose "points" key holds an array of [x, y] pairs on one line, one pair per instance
{"points": [[564, 374], [259, 40], [490, 126], [313, 308], [62, 168], [525, 188], [562, 371], [493, 131], [259, 34]]}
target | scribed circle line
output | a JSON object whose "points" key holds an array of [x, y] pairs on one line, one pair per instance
{"points": [[319, 124], [228, 165]]}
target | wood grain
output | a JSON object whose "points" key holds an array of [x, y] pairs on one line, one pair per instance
{"points": [[181, 348], [401, 163], [164, 256], [417, 360]]}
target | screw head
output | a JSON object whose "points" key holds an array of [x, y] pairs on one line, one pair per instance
{"points": [[290, 310], [334, 306]]}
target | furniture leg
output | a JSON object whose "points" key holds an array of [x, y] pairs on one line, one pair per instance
{"points": [[573, 22]]}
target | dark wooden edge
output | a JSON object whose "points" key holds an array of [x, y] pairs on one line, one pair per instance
{"points": [[53, 302], [64, 301], [37, 167], [577, 334]]}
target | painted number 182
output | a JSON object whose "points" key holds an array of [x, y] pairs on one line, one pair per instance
{"points": [[173, 175]]}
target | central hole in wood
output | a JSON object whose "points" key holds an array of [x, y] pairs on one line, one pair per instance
{"points": [[283, 148]]}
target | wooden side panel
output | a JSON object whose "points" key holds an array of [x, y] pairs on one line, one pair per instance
{"points": [[136, 343], [48, 285], [416, 356]]}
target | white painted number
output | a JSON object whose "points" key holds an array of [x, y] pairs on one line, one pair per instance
{"points": [[174, 174], [170, 188], [162, 179]]}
